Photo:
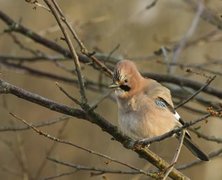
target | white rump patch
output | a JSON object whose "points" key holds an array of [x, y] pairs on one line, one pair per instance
{"points": [[177, 116]]}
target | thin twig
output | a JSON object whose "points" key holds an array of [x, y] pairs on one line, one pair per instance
{"points": [[23, 157], [152, 4], [176, 156], [211, 155], [176, 130], [99, 171], [100, 99], [21, 45], [67, 94], [208, 15], [18, 159], [166, 58], [185, 82], [48, 136], [37, 4], [32, 59], [10, 171], [39, 124], [83, 48], [49, 152], [16, 27], [196, 93], [60, 175], [189, 33], [208, 138], [72, 50], [193, 110], [92, 117], [111, 52], [89, 84]]}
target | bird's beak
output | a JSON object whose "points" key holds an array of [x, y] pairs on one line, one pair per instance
{"points": [[113, 86]]}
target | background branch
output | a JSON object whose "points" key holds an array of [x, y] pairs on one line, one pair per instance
{"points": [[92, 117], [33, 57]]}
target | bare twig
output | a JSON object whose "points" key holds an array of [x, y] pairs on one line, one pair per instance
{"points": [[83, 48], [195, 66], [165, 58], [191, 109], [23, 157], [189, 33], [60, 175], [72, 50], [207, 14], [18, 159], [67, 94], [93, 118], [184, 82], [211, 155], [32, 59], [88, 168], [48, 136], [49, 152], [111, 52], [39, 124], [152, 4], [100, 99], [16, 27], [176, 156], [21, 46], [208, 138], [10, 171], [176, 130], [196, 93], [89, 84], [37, 4]]}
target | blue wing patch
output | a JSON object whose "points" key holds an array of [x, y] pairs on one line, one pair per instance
{"points": [[160, 103], [164, 104]]}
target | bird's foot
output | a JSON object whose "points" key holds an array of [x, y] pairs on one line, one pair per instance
{"points": [[141, 143]]}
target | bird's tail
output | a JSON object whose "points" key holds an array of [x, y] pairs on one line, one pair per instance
{"points": [[195, 149]]}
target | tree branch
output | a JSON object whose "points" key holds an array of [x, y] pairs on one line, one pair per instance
{"points": [[207, 14], [94, 118], [16, 27], [180, 81], [71, 48]]}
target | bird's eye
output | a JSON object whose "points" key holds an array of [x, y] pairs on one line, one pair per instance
{"points": [[126, 81]]}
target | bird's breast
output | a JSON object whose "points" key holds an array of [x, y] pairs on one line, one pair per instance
{"points": [[129, 124], [143, 119]]}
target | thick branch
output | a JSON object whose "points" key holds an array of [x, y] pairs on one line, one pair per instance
{"points": [[184, 82], [13, 26], [16, 27], [89, 84], [94, 118]]}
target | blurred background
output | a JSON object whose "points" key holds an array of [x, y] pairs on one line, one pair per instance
{"points": [[123, 29]]}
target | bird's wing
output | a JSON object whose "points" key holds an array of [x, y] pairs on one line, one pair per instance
{"points": [[162, 97], [160, 102]]}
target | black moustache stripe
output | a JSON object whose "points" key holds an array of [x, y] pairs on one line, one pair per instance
{"points": [[125, 87]]}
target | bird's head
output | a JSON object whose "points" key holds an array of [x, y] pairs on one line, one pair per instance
{"points": [[126, 79]]}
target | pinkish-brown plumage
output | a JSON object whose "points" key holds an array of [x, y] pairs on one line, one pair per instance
{"points": [[145, 106]]}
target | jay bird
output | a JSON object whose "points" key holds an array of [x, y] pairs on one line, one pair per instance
{"points": [[145, 107]]}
